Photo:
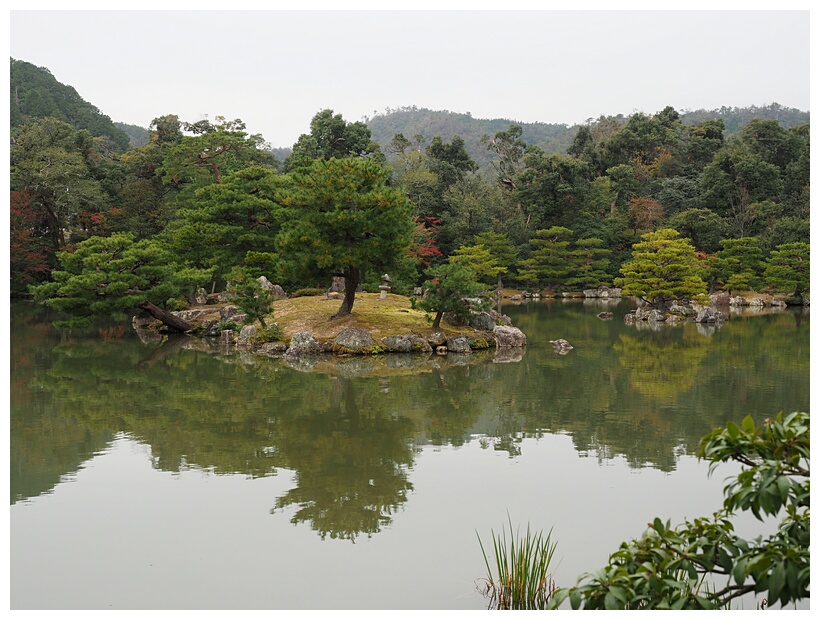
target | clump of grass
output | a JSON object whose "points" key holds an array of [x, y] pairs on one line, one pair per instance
{"points": [[523, 580], [271, 333]]}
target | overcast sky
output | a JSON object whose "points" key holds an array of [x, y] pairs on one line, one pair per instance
{"points": [[276, 69]]}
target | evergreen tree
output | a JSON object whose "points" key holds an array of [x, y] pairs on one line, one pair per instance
{"points": [[247, 293], [485, 265], [663, 268], [109, 276], [739, 265], [669, 567], [56, 167], [332, 137], [220, 224], [447, 290], [787, 269], [591, 264], [500, 248], [550, 261], [342, 217]]}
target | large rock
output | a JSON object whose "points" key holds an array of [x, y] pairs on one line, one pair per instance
{"points": [[246, 334], [479, 343], [211, 328], [272, 349], [303, 343], [709, 315], [337, 285], [354, 340], [437, 339], [509, 336], [682, 310], [406, 344], [656, 315], [602, 292], [458, 344], [226, 312], [649, 314], [561, 346], [500, 319], [277, 291], [482, 320], [454, 319], [191, 315]]}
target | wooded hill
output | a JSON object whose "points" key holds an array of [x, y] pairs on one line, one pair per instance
{"points": [[552, 138], [36, 93]]}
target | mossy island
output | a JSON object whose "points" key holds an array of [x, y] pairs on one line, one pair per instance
{"points": [[304, 327]]}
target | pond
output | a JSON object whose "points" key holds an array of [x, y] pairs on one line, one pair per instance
{"points": [[148, 476]]}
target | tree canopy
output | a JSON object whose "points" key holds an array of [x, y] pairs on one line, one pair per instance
{"points": [[36, 93], [214, 192], [663, 268], [787, 269], [332, 137], [448, 289], [109, 276], [343, 218]]}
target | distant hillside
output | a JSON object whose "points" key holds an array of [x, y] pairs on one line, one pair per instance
{"points": [[138, 136], [552, 138], [735, 118], [36, 93], [412, 121]]}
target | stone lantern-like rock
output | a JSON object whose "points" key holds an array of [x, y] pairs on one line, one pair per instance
{"points": [[384, 286]]}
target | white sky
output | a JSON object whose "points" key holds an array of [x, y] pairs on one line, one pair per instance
{"points": [[275, 69]]}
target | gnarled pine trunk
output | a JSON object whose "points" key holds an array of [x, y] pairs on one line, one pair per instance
{"points": [[352, 275], [172, 321]]}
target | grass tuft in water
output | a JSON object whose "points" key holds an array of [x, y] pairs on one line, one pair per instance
{"points": [[523, 579]]}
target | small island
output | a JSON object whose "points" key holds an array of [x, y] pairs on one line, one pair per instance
{"points": [[306, 325]]}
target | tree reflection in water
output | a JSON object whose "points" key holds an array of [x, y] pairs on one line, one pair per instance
{"points": [[349, 430], [351, 464]]}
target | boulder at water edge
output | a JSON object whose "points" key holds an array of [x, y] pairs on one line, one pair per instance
{"points": [[354, 340], [509, 336]]}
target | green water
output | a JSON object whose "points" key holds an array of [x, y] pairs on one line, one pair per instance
{"points": [[166, 476]]}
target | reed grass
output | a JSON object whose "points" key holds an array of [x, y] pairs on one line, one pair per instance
{"points": [[523, 579]]}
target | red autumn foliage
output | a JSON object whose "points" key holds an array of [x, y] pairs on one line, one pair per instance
{"points": [[424, 246], [28, 246]]}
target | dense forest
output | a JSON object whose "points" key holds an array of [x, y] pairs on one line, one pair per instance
{"points": [[411, 191]]}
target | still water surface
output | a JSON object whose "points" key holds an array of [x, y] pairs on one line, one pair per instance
{"points": [[161, 476]]}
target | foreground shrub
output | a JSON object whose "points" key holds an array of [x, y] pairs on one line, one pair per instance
{"points": [[703, 564], [307, 292]]}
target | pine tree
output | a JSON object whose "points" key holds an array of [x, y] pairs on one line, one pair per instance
{"points": [[663, 268], [787, 269], [110, 276], [343, 218], [550, 262]]}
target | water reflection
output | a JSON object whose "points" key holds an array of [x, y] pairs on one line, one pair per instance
{"points": [[662, 367], [351, 460], [350, 429]]}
